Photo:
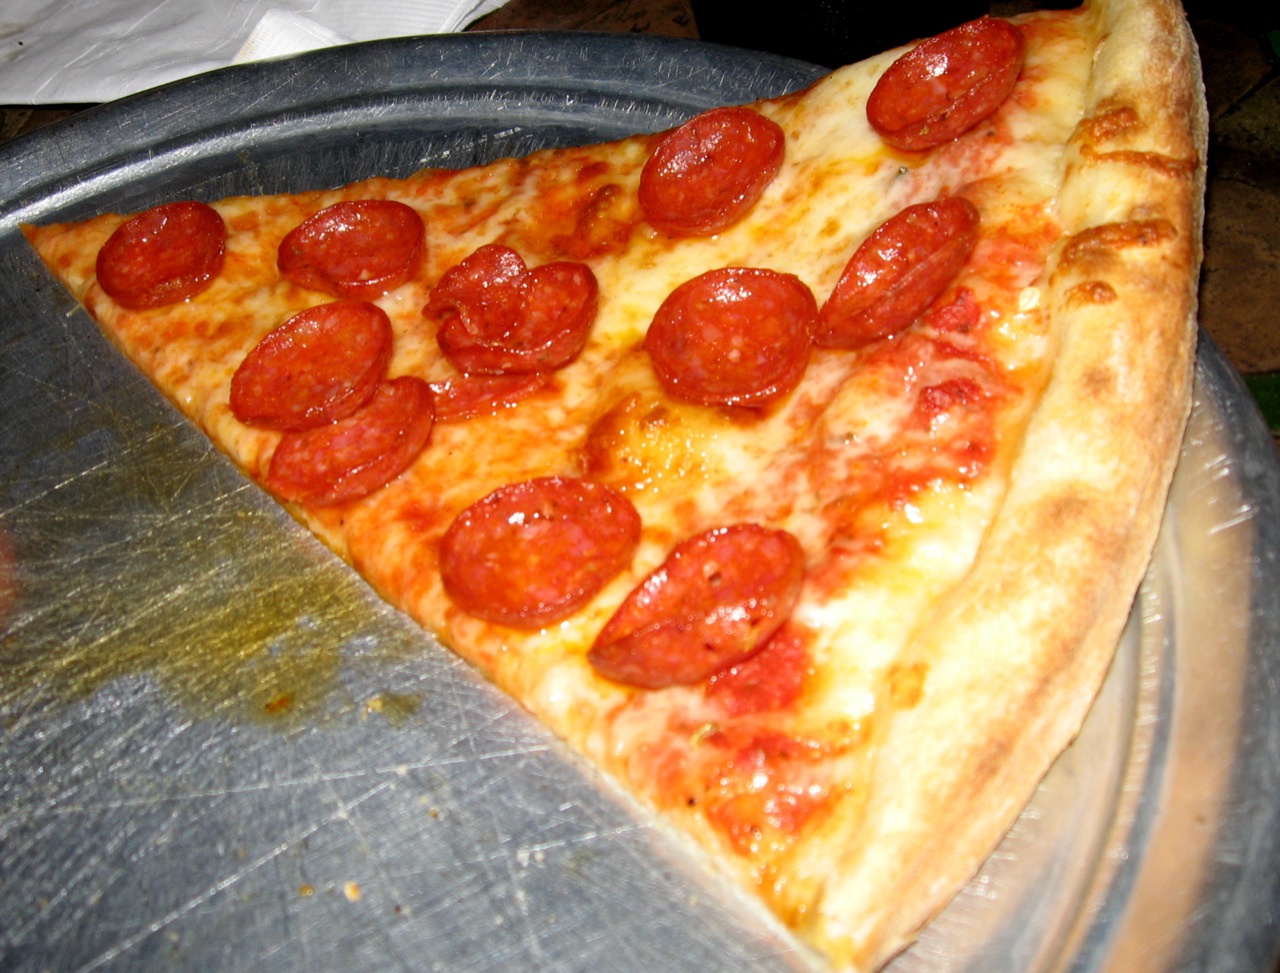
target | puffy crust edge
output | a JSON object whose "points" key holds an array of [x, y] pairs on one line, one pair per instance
{"points": [[1017, 654]]}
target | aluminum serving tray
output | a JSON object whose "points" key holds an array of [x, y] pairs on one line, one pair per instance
{"points": [[221, 751]]}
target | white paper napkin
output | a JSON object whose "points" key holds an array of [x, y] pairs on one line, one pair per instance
{"points": [[78, 51]]}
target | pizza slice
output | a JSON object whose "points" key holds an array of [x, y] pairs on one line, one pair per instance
{"points": [[796, 466]]}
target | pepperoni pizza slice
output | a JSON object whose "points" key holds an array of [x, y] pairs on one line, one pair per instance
{"points": [[797, 466]]}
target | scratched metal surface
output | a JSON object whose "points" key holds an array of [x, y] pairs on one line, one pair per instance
{"points": [[218, 750]]}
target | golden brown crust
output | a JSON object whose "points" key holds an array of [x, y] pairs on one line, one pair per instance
{"points": [[1041, 612]]}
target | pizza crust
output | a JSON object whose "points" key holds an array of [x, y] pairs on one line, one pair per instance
{"points": [[1072, 540]]}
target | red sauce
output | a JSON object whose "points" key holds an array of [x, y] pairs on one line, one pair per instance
{"points": [[948, 438], [765, 788]]}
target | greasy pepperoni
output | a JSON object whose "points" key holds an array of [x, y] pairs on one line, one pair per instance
{"points": [[484, 291], [770, 680], [946, 85], [358, 248], [467, 396], [558, 305], [706, 175], [354, 456], [895, 274], [163, 256], [734, 336], [714, 602], [321, 365], [534, 552]]}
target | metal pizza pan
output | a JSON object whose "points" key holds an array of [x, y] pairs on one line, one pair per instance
{"points": [[221, 751]]}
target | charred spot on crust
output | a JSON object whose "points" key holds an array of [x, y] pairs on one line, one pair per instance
{"points": [[1099, 382], [1091, 292], [1107, 124], [1153, 162], [1110, 237]]}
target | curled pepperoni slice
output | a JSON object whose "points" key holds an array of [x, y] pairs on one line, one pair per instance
{"points": [[947, 84], [557, 305], [906, 262], [734, 336], [533, 553], [354, 456], [706, 175], [485, 291], [163, 256], [713, 603], [357, 248], [321, 365], [467, 396]]}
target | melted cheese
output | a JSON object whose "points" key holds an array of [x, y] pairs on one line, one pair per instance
{"points": [[885, 462]]}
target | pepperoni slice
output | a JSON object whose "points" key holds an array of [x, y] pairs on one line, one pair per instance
{"points": [[550, 326], [906, 262], [357, 248], [485, 291], [712, 604], [770, 680], [354, 456], [466, 396], [168, 254], [947, 84], [319, 366], [533, 553], [706, 175], [734, 336]]}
